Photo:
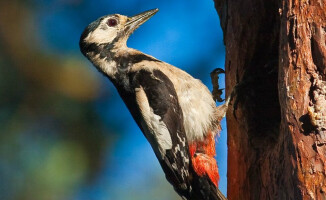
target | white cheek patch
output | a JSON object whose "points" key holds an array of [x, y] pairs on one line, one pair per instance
{"points": [[100, 36]]}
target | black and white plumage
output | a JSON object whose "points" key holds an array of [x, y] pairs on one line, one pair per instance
{"points": [[171, 108]]}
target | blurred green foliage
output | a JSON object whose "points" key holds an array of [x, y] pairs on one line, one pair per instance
{"points": [[51, 140]]}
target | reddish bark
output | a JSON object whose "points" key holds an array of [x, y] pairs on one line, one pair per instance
{"points": [[276, 50]]}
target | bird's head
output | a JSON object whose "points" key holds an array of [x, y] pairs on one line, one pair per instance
{"points": [[111, 31]]}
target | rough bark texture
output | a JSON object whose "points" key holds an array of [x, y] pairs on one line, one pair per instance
{"points": [[276, 51]]}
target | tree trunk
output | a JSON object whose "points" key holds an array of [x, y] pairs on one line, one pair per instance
{"points": [[276, 53]]}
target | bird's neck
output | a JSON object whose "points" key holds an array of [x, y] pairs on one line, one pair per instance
{"points": [[113, 61]]}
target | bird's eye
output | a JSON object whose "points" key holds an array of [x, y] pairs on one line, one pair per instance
{"points": [[112, 22]]}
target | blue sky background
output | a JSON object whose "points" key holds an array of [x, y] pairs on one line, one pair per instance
{"points": [[186, 34]]}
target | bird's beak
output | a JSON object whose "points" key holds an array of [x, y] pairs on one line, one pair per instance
{"points": [[135, 21]]}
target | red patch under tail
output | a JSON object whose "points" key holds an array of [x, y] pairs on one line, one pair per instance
{"points": [[202, 155]]}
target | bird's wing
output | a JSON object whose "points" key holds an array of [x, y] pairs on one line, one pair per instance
{"points": [[163, 125]]}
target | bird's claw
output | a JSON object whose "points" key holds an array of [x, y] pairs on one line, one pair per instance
{"points": [[217, 92]]}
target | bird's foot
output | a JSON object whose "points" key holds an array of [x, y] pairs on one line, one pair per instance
{"points": [[217, 92]]}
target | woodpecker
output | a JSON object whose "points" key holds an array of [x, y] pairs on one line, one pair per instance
{"points": [[175, 112]]}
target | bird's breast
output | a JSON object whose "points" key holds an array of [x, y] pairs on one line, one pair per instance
{"points": [[198, 109]]}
